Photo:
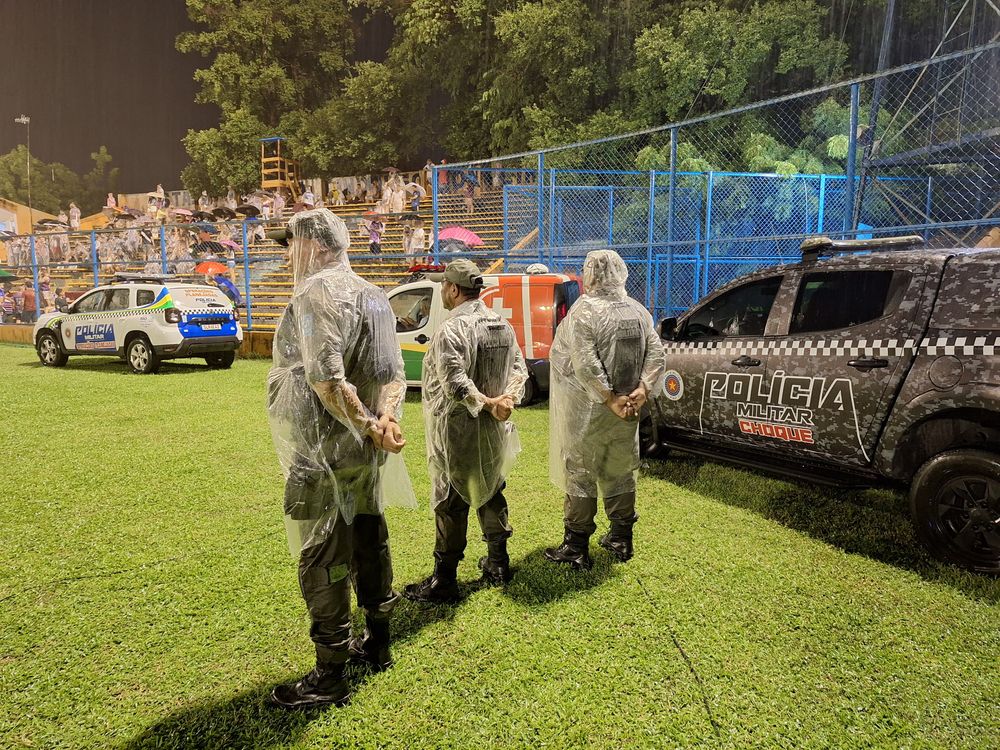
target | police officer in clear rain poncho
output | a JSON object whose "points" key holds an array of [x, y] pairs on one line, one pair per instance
{"points": [[473, 374], [606, 361], [335, 397]]}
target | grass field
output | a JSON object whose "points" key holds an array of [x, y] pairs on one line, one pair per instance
{"points": [[147, 598]]}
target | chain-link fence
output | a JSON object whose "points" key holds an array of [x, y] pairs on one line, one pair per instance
{"points": [[692, 205]]}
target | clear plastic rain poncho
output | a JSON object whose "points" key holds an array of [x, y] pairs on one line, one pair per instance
{"points": [[337, 369], [605, 345], [474, 354]]}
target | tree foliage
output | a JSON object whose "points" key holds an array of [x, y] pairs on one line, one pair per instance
{"points": [[54, 185], [470, 78]]}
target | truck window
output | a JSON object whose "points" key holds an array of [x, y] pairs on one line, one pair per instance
{"points": [[839, 299], [741, 311], [144, 297], [118, 300], [93, 302], [412, 309]]}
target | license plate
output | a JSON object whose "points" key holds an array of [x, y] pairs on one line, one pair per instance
{"points": [[212, 327]]}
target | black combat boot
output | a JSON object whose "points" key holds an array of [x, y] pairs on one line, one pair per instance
{"points": [[372, 648], [574, 551], [441, 587], [496, 564], [324, 686], [618, 541]]}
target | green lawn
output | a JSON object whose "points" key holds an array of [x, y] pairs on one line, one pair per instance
{"points": [[147, 598]]}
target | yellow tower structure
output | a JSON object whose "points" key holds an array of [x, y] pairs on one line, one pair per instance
{"points": [[277, 169]]}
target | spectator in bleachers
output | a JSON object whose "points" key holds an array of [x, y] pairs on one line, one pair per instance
{"points": [[416, 244], [443, 177], [231, 203], [204, 202], [61, 302], [7, 305], [308, 198], [428, 174], [74, 216], [27, 313], [45, 290], [111, 202], [469, 193], [374, 227], [279, 203]]}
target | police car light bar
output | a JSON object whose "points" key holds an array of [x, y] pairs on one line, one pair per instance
{"points": [[143, 278], [813, 247]]}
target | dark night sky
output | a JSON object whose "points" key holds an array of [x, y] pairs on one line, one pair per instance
{"points": [[101, 72]]}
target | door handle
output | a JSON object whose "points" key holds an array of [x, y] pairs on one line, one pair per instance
{"points": [[421, 339], [868, 363], [745, 361]]}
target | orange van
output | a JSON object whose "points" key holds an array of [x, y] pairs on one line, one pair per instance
{"points": [[534, 304]]}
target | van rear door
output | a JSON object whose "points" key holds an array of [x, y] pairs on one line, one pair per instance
{"points": [[418, 312]]}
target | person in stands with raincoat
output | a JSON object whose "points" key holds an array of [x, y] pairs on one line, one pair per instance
{"points": [[335, 398], [473, 374], [606, 361]]}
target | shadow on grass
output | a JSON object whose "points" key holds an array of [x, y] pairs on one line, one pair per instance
{"points": [[538, 582], [872, 522], [117, 366], [249, 720]]}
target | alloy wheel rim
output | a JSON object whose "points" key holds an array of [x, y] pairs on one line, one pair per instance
{"points": [[140, 357], [968, 515]]}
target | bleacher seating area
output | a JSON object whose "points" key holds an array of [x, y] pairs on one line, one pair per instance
{"points": [[271, 280]]}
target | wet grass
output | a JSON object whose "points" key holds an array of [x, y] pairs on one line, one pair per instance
{"points": [[147, 598]]}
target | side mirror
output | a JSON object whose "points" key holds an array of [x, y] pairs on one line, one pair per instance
{"points": [[668, 327]]}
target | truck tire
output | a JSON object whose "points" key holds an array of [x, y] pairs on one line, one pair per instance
{"points": [[955, 501], [530, 392], [141, 356], [50, 353], [220, 360]]}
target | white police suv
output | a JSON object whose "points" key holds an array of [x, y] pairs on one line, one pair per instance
{"points": [[144, 320]]}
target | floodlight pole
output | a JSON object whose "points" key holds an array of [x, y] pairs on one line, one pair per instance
{"points": [[26, 121]]}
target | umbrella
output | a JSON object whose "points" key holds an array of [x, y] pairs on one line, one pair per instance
{"points": [[390, 169], [51, 223], [247, 210], [182, 212], [224, 213], [414, 187], [229, 243], [210, 266], [462, 235], [206, 228], [202, 216], [409, 217], [7, 275], [210, 246], [454, 246], [153, 195], [372, 213]]}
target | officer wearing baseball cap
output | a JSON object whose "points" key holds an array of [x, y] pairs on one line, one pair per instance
{"points": [[473, 374]]}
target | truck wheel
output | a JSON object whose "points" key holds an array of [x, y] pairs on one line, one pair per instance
{"points": [[955, 500], [220, 360], [530, 391], [141, 356], [50, 353]]}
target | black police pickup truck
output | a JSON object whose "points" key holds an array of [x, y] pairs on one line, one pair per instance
{"points": [[867, 362]]}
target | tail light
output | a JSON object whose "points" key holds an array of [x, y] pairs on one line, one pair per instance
{"points": [[173, 315], [561, 310]]}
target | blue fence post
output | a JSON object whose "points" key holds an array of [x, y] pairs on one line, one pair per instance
{"points": [[649, 238], [246, 276], [708, 231], [611, 215], [927, 208], [34, 275], [540, 185], [555, 221], [671, 210], [435, 224], [821, 218], [506, 228], [163, 248], [93, 257], [852, 144]]}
